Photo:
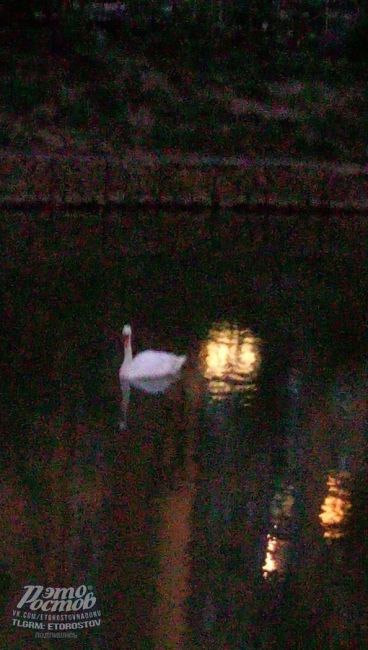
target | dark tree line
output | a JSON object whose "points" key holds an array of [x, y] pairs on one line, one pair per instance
{"points": [[332, 27], [222, 12]]}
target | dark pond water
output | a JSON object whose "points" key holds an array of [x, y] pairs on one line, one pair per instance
{"points": [[228, 512]]}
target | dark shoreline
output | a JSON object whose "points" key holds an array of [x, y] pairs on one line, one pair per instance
{"points": [[176, 181]]}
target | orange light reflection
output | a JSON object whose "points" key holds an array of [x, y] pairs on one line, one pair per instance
{"points": [[231, 359], [275, 563], [336, 507]]}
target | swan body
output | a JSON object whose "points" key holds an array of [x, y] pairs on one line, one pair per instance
{"points": [[154, 386], [150, 364]]}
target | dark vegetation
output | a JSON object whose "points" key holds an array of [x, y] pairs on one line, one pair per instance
{"points": [[227, 77]]}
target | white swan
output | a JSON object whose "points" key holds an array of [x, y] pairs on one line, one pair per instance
{"points": [[149, 364]]}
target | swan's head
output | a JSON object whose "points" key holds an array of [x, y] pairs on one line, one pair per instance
{"points": [[127, 332]]}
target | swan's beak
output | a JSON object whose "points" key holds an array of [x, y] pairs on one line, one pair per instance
{"points": [[126, 338]]}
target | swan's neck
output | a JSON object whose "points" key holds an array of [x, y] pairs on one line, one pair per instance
{"points": [[128, 355]]}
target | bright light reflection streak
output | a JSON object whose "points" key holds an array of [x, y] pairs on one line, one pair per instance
{"points": [[277, 548], [231, 359], [275, 559], [336, 507]]}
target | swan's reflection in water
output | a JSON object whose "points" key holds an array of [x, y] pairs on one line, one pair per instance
{"points": [[125, 397], [335, 509], [151, 386], [174, 501], [230, 358]]}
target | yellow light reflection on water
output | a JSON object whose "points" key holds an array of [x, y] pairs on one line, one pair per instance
{"points": [[276, 557], [336, 507], [231, 359], [275, 560]]}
